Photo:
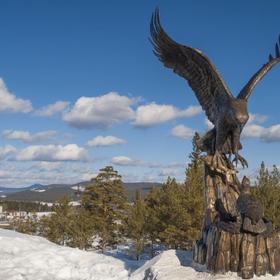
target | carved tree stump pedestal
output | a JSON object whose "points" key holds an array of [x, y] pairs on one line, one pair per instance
{"points": [[228, 241], [244, 253]]}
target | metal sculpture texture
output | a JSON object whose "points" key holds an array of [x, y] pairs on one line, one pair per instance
{"points": [[235, 235], [227, 113]]}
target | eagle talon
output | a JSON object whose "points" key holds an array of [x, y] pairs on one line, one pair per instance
{"points": [[242, 160], [217, 161]]}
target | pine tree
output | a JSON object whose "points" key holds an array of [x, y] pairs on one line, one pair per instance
{"points": [[57, 227], [28, 226], [81, 229], [263, 178], [175, 211], [136, 224], [267, 189], [275, 176], [106, 200], [194, 191], [168, 219], [174, 217], [154, 225]]}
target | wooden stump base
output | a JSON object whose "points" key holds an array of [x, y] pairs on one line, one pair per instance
{"points": [[244, 253]]}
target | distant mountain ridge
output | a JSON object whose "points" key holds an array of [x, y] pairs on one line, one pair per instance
{"points": [[53, 192], [6, 190]]}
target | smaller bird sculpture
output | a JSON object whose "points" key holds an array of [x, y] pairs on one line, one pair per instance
{"points": [[251, 210], [228, 114], [247, 204]]}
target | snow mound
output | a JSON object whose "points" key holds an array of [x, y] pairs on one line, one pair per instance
{"points": [[25, 257], [178, 265]]}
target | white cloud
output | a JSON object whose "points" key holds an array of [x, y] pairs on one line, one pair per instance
{"points": [[99, 112], [52, 109], [27, 137], [208, 124], [20, 174], [105, 141], [70, 152], [112, 108], [182, 131], [47, 166], [253, 131], [10, 103], [153, 114], [125, 161], [257, 118], [5, 174], [171, 172], [88, 176], [272, 133], [269, 134], [6, 151], [161, 166]]}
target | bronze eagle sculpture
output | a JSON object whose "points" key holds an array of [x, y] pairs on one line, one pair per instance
{"points": [[228, 114]]}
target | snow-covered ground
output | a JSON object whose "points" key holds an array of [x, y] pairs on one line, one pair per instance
{"points": [[25, 257]]}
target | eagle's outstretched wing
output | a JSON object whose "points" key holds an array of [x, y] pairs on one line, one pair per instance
{"points": [[202, 76], [246, 91]]}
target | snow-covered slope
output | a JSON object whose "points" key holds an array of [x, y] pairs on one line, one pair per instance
{"points": [[24, 257], [177, 265]]}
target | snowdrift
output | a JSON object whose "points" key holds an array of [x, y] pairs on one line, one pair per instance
{"points": [[178, 265], [173, 265], [25, 257]]}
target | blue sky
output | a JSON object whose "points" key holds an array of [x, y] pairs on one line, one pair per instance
{"points": [[81, 88]]}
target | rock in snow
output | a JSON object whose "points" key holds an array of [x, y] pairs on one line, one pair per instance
{"points": [[25, 257]]}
